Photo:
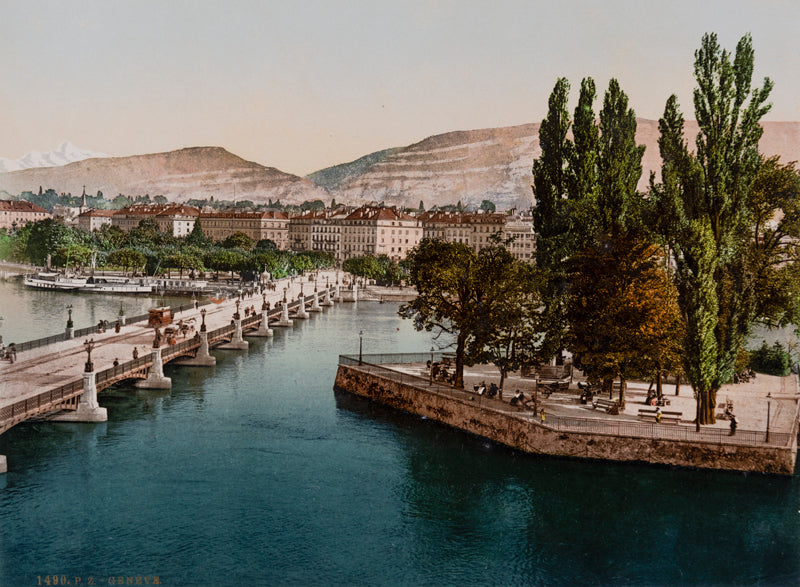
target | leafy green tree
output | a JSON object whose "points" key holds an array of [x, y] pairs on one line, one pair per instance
{"points": [[488, 206], [773, 360], [109, 237], [49, 235], [127, 259], [6, 245], [300, 263], [146, 234], [508, 333], [702, 202], [76, 255], [774, 247], [266, 244], [223, 260], [238, 240], [183, 261], [367, 267], [315, 205], [197, 237], [623, 313], [449, 297]]}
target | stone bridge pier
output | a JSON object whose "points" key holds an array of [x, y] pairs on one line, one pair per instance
{"points": [[155, 378], [88, 408]]}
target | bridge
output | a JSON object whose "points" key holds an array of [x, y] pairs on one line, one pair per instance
{"points": [[60, 380]]}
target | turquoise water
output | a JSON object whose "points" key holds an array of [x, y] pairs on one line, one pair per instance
{"points": [[256, 472]]}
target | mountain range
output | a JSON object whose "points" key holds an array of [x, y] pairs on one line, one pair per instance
{"points": [[65, 153], [467, 166]]}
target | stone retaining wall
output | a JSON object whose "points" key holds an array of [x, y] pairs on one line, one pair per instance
{"points": [[532, 437]]}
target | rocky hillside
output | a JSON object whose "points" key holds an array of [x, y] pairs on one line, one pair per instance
{"points": [[197, 172], [494, 164]]}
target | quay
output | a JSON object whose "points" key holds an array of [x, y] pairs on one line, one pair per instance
{"points": [[60, 380], [767, 409]]}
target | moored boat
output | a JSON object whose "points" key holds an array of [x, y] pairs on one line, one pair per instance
{"points": [[117, 285], [54, 280]]}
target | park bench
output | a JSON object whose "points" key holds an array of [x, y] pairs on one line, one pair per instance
{"points": [[611, 406], [666, 417]]}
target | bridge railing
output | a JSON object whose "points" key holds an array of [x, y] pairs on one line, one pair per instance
{"points": [[13, 413], [614, 427], [79, 332]]}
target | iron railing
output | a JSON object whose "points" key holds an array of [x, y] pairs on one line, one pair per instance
{"points": [[617, 427], [61, 337]]}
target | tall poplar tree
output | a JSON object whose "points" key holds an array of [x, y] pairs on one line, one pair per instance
{"points": [[703, 213]]}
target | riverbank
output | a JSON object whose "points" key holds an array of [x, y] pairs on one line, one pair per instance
{"points": [[577, 430]]}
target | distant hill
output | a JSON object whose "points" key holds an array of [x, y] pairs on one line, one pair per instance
{"points": [[332, 178], [493, 164], [196, 172], [64, 154], [467, 166]]}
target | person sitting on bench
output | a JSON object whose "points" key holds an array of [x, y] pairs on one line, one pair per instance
{"points": [[518, 399]]}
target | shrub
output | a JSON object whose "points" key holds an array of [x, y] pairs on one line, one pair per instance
{"points": [[772, 360]]}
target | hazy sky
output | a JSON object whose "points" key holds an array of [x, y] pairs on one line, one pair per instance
{"points": [[301, 85]]}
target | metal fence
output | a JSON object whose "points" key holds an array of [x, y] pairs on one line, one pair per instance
{"points": [[40, 342], [12, 413], [612, 427]]}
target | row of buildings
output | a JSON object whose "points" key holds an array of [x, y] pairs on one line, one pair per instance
{"points": [[344, 232]]}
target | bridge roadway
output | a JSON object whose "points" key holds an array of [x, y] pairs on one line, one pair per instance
{"points": [[60, 364]]}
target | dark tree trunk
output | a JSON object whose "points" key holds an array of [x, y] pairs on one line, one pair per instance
{"points": [[659, 387], [678, 384], [621, 392], [460, 344], [608, 385]]}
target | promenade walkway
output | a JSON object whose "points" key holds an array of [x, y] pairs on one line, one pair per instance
{"points": [[37, 370], [564, 411]]}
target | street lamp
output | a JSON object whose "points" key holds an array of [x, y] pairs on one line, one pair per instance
{"points": [[203, 325], [769, 403], [360, 346], [430, 370], [69, 315], [89, 344], [236, 315]]}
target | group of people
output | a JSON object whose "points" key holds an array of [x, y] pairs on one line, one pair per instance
{"points": [[439, 371], [490, 391], [8, 354]]}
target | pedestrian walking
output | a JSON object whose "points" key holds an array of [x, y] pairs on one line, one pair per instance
{"points": [[734, 424]]}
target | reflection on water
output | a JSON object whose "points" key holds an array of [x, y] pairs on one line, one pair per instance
{"points": [[29, 314], [256, 472]]}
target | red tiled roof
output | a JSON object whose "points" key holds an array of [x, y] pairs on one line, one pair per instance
{"points": [[160, 210], [379, 213], [251, 215], [97, 213], [20, 206]]}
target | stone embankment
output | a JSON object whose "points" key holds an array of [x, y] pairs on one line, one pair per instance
{"points": [[618, 440]]}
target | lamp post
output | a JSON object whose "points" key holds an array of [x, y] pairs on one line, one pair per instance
{"points": [[89, 344], [203, 324], [264, 301], [69, 315], [430, 371], [360, 346], [769, 403], [236, 315]]}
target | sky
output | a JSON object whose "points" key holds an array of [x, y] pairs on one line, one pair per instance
{"points": [[302, 85]]}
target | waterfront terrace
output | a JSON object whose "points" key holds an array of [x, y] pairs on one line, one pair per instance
{"points": [[766, 409]]}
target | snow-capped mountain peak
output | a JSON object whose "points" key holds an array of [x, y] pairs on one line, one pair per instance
{"points": [[65, 153]]}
